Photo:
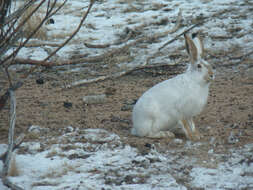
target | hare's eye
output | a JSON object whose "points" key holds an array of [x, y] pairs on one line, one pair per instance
{"points": [[199, 66]]}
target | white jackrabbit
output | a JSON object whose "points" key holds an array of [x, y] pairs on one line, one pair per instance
{"points": [[173, 103]]}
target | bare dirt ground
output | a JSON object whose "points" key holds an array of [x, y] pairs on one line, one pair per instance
{"points": [[226, 123], [227, 119]]}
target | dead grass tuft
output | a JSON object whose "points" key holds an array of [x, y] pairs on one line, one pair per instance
{"points": [[32, 23], [13, 171]]}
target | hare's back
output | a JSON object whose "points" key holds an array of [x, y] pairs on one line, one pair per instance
{"points": [[163, 95]]}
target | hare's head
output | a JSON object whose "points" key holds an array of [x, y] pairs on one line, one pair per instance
{"points": [[199, 66]]}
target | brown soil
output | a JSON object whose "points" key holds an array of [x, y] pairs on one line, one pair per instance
{"points": [[229, 109]]}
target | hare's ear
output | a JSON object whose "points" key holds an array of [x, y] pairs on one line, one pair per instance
{"points": [[191, 48], [199, 44]]}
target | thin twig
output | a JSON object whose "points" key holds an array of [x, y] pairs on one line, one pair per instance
{"points": [[40, 45], [19, 12], [115, 75], [54, 12], [88, 45], [70, 38], [177, 36], [18, 28]]}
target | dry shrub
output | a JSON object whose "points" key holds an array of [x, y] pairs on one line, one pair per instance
{"points": [[13, 171], [32, 23]]}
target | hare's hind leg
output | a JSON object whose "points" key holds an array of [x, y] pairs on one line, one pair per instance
{"points": [[195, 131], [154, 133], [186, 128], [190, 130]]}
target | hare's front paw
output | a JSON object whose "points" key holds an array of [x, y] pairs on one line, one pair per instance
{"points": [[197, 135]]}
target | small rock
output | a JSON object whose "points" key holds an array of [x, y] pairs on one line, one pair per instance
{"points": [[95, 99], [77, 156], [35, 129], [232, 139], [129, 179], [67, 104], [69, 129], [212, 140], [50, 21], [131, 102], [178, 141], [209, 127], [40, 81], [232, 126], [110, 91], [127, 107], [210, 151], [148, 145]]}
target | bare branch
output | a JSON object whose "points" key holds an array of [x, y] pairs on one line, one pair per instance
{"points": [[18, 12], [18, 28], [56, 10], [3, 99], [178, 23], [6, 95], [11, 185], [40, 45], [182, 33], [17, 143], [64, 43], [11, 132], [115, 75], [129, 35], [96, 45], [74, 33], [22, 23], [11, 146]]}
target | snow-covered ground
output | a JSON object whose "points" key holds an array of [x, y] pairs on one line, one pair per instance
{"points": [[97, 159], [227, 25]]}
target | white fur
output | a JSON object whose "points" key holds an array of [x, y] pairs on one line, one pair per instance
{"points": [[165, 105]]}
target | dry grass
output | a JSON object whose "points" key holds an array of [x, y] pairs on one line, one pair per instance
{"points": [[13, 171], [32, 23]]}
